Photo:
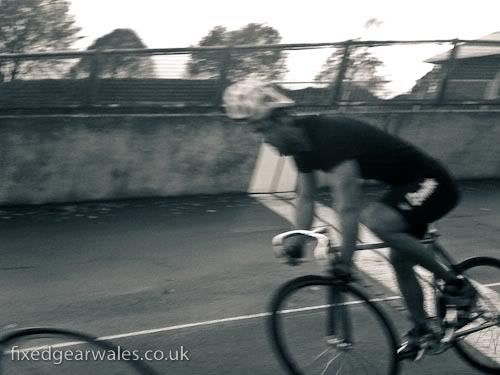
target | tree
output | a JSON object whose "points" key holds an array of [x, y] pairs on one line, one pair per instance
{"points": [[120, 65], [427, 86], [361, 65], [361, 69], [31, 26], [266, 63]]}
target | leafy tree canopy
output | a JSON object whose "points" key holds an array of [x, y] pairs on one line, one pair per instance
{"points": [[362, 66], [361, 70], [36, 25], [31, 26], [119, 65], [266, 64], [427, 86]]}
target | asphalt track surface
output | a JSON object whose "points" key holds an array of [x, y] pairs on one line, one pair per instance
{"points": [[192, 275]]}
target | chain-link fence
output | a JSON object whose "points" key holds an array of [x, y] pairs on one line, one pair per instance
{"points": [[326, 75]]}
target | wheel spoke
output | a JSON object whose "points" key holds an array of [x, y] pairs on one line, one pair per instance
{"points": [[479, 341], [317, 358], [299, 336], [330, 362]]}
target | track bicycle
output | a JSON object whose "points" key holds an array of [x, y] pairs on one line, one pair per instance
{"points": [[324, 324], [56, 351]]}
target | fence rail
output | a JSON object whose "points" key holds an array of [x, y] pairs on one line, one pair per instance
{"points": [[321, 75]]}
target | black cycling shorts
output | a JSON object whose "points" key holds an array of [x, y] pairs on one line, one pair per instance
{"points": [[423, 201]]}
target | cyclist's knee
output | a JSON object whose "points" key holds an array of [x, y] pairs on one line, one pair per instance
{"points": [[383, 220]]}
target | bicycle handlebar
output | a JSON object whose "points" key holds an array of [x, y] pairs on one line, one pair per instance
{"points": [[323, 247]]}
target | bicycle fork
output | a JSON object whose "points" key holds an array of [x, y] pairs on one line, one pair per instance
{"points": [[339, 325]]}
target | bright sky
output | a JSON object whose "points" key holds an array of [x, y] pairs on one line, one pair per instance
{"points": [[182, 23]]}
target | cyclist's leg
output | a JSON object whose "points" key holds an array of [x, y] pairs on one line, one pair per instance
{"points": [[394, 229], [410, 288], [402, 216]]}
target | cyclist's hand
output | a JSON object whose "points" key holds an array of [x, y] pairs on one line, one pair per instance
{"points": [[293, 251]]}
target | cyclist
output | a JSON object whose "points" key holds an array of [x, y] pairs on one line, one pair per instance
{"points": [[420, 189]]}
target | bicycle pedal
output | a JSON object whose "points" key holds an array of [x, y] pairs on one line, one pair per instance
{"points": [[420, 354], [412, 353], [430, 348]]}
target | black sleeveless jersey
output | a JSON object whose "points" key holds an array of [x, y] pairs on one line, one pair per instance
{"points": [[380, 155]]}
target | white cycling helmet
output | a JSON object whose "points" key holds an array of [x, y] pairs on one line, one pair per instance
{"points": [[252, 99]]}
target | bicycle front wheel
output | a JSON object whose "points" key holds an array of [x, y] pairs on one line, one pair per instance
{"points": [[319, 325], [481, 347], [44, 351]]}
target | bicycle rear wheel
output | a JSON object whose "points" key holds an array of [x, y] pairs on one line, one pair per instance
{"points": [[481, 348], [44, 351], [319, 325]]}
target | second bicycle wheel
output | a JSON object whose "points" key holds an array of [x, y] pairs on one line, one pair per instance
{"points": [[52, 351], [481, 348], [320, 326]]}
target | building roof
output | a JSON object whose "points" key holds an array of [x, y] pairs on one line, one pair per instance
{"points": [[467, 51]]}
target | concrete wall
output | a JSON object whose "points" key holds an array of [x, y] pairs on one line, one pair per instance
{"points": [[58, 159]]}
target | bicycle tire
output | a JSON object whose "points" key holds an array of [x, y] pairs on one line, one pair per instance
{"points": [[352, 293], [475, 348], [15, 343]]}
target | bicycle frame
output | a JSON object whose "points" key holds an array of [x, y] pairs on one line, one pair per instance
{"points": [[337, 309], [341, 311], [339, 323]]}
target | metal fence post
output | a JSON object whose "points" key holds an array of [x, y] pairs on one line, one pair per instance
{"points": [[447, 69], [337, 87], [93, 79], [223, 80]]}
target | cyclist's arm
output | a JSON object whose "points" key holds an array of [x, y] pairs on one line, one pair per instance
{"points": [[346, 187], [306, 194]]}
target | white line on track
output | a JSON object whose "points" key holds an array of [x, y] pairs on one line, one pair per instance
{"points": [[233, 319], [215, 322], [198, 324]]}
